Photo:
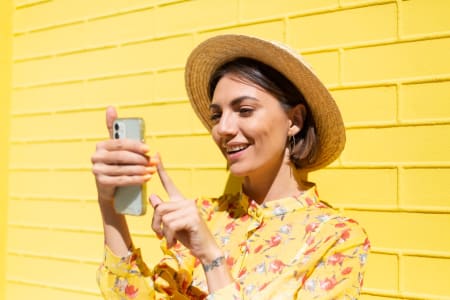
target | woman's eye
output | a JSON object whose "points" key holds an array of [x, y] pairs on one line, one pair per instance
{"points": [[214, 117], [245, 111]]}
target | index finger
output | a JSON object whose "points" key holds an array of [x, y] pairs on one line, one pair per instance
{"points": [[169, 186]]}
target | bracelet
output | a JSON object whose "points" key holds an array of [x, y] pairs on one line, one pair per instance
{"points": [[214, 264]]}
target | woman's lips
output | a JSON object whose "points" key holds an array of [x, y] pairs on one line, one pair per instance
{"points": [[235, 149], [233, 152]]}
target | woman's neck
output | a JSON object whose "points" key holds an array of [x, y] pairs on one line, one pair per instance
{"points": [[288, 181]]}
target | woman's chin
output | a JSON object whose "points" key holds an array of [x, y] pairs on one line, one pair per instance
{"points": [[238, 171]]}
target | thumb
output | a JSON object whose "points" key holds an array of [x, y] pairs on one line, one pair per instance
{"points": [[111, 116]]}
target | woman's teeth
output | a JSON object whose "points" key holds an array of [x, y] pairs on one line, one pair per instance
{"points": [[234, 149]]}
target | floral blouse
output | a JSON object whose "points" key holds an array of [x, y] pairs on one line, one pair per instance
{"points": [[292, 248]]}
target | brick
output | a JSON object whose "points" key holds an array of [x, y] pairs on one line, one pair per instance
{"points": [[359, 25], [425, 187], [52, 183], [397, 145], [396, 61], [427, 276], [357, 2], [71, 67], [425, 101], [162, 53], [141, 225], [130, 26], [150, 248], [49, 42], [363, 106], [382, 272], [42, 242], [134, 25], [161, 118], [47, 98], [354, 187], [170, 85], [122, 90], [189, 16], [47, 14], [48, 271], [210, 183], [63, 126], [254, 9], [23, 291], [404, 231], [23, 211], [80, 153], [272, 31], [424, 17], [325, 65], [106, 7]]}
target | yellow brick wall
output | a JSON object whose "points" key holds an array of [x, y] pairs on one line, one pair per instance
{"points": [[5, 92], [385, 61]]}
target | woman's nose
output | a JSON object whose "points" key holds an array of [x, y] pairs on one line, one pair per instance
{"points": [[227, 125]]}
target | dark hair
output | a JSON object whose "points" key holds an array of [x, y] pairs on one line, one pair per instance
{"points": [[303, 146]]}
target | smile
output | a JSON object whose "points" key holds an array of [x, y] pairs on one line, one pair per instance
{"points": [[235, 148]]}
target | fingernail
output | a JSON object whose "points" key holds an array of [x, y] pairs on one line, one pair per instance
{"points": [[145, 148], [147, 177], [150, 170], [154, 161]]}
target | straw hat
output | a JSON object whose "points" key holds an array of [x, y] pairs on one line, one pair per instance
{"points": [[214, 52]]}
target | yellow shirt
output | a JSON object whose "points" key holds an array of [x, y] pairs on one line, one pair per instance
{"points": [[292, 248]]}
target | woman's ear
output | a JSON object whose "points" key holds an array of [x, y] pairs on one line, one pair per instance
{"points": [[297, 116]]}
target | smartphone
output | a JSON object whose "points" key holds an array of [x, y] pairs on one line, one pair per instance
{"points": [[130, 200]]}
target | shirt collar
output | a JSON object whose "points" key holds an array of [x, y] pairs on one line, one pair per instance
{"points": [[280, 207]]}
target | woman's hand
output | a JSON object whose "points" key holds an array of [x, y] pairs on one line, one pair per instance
{"points": [[119, 162], [179, 220]]}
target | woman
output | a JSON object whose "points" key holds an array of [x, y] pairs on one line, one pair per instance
{"points": [[274, 121]]}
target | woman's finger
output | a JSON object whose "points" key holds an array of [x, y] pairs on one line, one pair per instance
{"points": [[123, 145], [120, 158], [169, 234], [169, 186], [111, 116], [155, 201], [122, 170], [114, 181]]}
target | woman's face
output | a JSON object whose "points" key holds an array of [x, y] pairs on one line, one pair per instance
{"points": [[249, 126]]}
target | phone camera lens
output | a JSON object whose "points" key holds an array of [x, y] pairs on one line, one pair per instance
{"points": [[116, 135], [116, 126]]}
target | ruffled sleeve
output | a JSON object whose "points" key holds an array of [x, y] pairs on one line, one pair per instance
{"points": [[124, 277]]}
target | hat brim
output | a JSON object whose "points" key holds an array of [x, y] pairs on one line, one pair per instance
{"points": [[207, 57]]}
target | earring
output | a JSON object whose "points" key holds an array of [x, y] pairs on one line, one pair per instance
{"points": [[291, 143]]}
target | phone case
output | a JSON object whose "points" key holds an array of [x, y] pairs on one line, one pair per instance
{"points": [[130, 200]]}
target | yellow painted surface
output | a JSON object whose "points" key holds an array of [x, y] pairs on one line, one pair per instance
{"points": [[358, 25], [362, 106], [5, 104], [415, 97], [386, 63]]}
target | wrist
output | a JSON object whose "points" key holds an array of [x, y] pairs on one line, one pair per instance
{"points": [[215, 263], [209, 255]]}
